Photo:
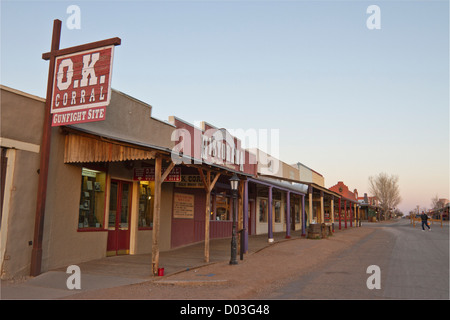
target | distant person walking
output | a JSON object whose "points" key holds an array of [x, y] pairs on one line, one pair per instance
{"points": [[424, 218]]}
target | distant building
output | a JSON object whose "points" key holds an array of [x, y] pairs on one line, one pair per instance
{"points": [[369, 207], [442, 209], [349, 203]]}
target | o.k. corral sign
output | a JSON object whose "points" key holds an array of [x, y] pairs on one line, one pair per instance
{"points": [[82, 86]]}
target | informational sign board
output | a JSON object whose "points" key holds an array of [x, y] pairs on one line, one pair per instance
{"points": [[82, 86], [183, 206]]}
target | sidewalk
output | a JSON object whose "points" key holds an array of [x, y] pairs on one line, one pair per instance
{"points": [[129, 269]]}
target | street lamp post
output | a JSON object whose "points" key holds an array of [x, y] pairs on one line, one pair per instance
{"points": [[234, 182]]}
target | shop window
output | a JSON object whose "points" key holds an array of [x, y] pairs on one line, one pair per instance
{"points": [[146, 199], [277, 210], [222, 207], [262, 210], [92, 199]]}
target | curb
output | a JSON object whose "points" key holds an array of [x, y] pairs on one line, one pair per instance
{"points": [[191, 282]]}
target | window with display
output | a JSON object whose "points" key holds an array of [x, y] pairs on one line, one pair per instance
{"points": [[262, 210], [277, 210], [222, 207], [92, 199], [146, 204]]}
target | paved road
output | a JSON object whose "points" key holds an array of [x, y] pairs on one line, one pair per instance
{"points": [[414, 264]]}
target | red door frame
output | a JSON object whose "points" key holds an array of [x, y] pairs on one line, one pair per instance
{"points": [[119, 238]]}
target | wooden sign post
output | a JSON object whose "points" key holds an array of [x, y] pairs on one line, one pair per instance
{"points": [[159, 178], [62, 75], [209, 185]]}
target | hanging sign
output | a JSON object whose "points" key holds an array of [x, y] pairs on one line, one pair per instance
{"points": [[148, 174], [82, 86], [190, 181]]}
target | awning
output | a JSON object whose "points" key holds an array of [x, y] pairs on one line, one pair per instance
{"points": [[83, 148], [305, 184], [300, 189], [325, 190]]}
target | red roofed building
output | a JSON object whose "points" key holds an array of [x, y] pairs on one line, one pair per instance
{"points": [[349, 207], [342, 189]]}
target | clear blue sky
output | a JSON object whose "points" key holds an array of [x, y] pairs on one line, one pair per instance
{"points": [[349, 102]]}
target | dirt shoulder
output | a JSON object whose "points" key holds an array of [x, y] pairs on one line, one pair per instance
{"points": [[258, 272]]}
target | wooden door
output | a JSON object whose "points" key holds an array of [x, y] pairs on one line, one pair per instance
{"points": [[119, 218]]}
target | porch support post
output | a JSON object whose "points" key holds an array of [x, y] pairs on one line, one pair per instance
{"points": [[351, 214], [356, 215], [310, 204], [159, 178], [208, 188], [345, 214], [340, 210], [269, 218], [156, 216], [245, 214], [359, 216], [332, 212], [240, 216], [322, 213], [288, 214], [303, 216], [207, 222]]}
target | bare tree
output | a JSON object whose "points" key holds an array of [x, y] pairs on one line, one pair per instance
{"points": [[435, 203], [387, 191]]}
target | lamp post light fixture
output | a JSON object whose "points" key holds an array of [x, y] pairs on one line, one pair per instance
{"points": [[234, 182]]}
